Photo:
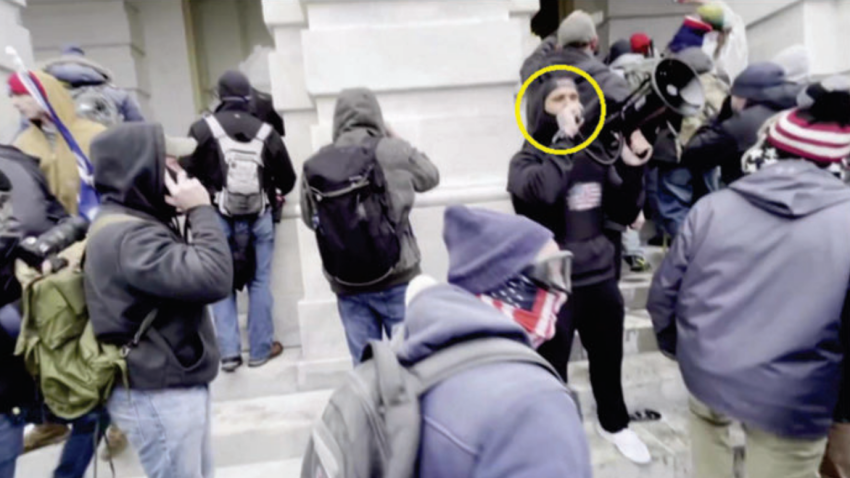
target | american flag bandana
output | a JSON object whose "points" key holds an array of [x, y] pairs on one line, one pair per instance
{"points": [[533, 308]]}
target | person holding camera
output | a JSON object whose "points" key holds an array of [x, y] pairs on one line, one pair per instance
{"points": [[574, 196]]}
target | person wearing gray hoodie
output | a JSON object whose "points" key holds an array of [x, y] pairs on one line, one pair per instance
{"points": [[751, 299], [511, 419], [367, 311]]}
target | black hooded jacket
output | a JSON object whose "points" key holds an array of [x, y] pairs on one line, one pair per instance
{"points": [[238, 121], [575, 195], [133, 267], [35, 211], [724, 142]]}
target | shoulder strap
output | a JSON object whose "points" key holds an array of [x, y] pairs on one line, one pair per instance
{"points": [[264, 132], [468, 355], [216, 128]]}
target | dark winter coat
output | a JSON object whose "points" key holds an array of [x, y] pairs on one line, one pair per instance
{"points": [[505, 420], [239, 122], [17, 389], [134, 267], [750, 299], [408, 171], [574, 196], [35, 212], [724, 142]]}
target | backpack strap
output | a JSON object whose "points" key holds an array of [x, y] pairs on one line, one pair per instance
{"points": [[216, 128], [469, 355], [264, 132]]}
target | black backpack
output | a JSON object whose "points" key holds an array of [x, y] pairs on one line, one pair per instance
{"points": [[358, 240]]}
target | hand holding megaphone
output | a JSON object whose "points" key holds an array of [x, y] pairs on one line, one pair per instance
{"points": [[637, 151]]}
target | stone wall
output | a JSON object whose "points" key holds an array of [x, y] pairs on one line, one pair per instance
{"points": [[12, 33], [445, 73]]}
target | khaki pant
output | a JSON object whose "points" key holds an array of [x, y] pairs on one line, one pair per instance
{"points": [[767, 455], [836, 463]]}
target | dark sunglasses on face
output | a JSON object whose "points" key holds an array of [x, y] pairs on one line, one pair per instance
{"points": [[552, 273]]}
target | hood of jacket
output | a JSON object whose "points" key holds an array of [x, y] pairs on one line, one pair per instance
{"points": [[129, 165], [792, 188], [234, 90], [77, 71], [358, 108], [443, 315], [627, 60]]}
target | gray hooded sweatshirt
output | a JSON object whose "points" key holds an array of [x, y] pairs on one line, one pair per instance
{"points": [[408, 171], [750, 299]]}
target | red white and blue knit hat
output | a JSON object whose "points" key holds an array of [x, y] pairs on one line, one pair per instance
{"points": [[819, 130], [799, 133]]}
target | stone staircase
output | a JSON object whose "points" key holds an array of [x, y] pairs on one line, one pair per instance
{"points": [[262, 418]]}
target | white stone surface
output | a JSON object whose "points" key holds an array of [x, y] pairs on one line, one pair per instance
{"points": [[12, 33], [426, 56], [769, 37], [169, 74], [325, 16]]}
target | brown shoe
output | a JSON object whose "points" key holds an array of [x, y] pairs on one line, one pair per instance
{"points": [[45, 435], [277, 351], [115, 443]]}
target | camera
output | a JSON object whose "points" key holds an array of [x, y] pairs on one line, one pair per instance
{"points": [[34, 251]]}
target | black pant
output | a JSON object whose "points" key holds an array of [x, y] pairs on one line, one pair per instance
{"points": [[597, 312]]}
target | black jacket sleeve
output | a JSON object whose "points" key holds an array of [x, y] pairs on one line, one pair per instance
{"points": [[277, 161], [538, 178], [205, 162], [160, 265], [709, 147], [624, 194]]}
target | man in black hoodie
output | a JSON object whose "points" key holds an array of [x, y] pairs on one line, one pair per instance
{"points": [[139, 266], [574, 196], [250, 230], [16, 386]]}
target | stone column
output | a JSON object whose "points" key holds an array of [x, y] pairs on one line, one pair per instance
{"points": [[14, 34], [109, 31], [445, 73]]}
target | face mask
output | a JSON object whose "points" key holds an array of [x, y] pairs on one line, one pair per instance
{"points": [[533, 308]]}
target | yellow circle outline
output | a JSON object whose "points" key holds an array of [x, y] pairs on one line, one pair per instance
{"points": [[603, 109]]}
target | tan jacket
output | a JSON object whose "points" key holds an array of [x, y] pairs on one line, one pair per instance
{"points": [[56, 160]]}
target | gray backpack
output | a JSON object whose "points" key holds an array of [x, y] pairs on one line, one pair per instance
{"points": [[243, 193], [372, 424]]}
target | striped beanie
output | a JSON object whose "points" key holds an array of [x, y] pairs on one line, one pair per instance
{"points": [[799, 133]]}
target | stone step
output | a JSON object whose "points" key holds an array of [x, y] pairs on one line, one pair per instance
{"points": [[266, 430], [290, 374], [650, 380]]}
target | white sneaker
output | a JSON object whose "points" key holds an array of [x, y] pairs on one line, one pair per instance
{"points": [[629, 444]]}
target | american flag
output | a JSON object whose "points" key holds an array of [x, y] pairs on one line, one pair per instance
{"points": [[530, 306], [585, 196], [87, 200]]}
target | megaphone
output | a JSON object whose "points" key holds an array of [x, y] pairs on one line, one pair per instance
{"points": [[672, 86]]}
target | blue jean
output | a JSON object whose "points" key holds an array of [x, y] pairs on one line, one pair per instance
{"points": [[260, 322], [11, 444], [169, 429], [367, 316], [10, 320], [675, 197], [81, 446]]}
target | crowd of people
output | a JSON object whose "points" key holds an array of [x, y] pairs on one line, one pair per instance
{"points": [[123, 249]]}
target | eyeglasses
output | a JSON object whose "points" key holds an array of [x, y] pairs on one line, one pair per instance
{"points": [[552, 272]]}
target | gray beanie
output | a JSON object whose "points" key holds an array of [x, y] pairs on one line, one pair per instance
{"points": [[579, 27], [697, 59], [752, 82], [486, 248]]}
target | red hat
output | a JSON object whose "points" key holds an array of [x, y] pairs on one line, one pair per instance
{"points": [[16, 86], [796, 132], [641, 43]]}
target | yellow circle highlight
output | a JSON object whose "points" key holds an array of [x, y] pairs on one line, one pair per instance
{"points": [[603, 109]]}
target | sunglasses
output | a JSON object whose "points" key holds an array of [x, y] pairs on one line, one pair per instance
{"points": [[552, 272]]}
